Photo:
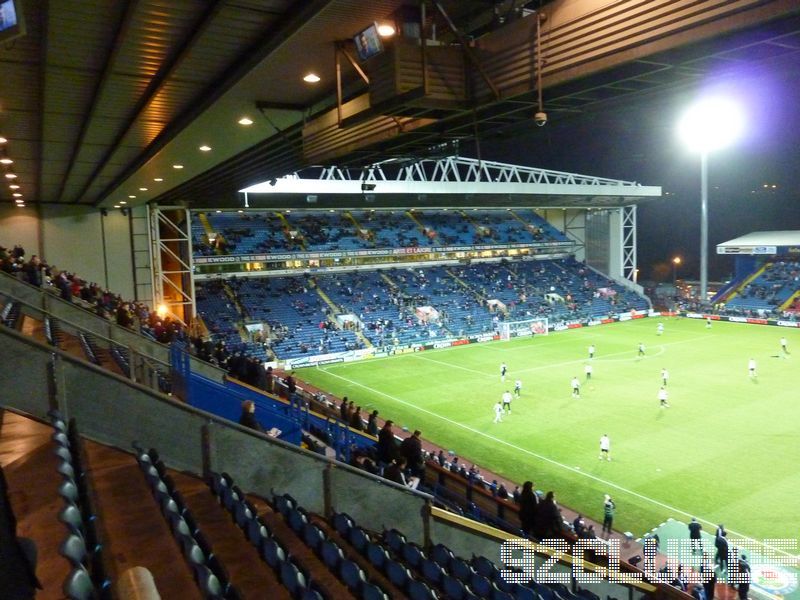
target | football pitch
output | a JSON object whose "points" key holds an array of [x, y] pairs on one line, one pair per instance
{"points": [[727, 450]]}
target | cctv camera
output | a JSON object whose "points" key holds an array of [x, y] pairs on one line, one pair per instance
{"points": [[540, 118]]}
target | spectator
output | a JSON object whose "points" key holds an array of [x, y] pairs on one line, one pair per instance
{"points": [[248, 416], [548, 523], [411, 450], [372, 423], [608, 514], [355, 419], [528, 505], [387, 447]]}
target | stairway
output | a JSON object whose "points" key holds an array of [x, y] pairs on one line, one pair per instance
{"points": [[287, 227], [334, 310], [733, 293]]}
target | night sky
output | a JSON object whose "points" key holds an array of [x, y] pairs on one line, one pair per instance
{"points": [[638, 141]]}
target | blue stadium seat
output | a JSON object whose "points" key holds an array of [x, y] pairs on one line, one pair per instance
{"points": [[484, 566], [283, 505], [441, 554], [297, 521], [65, 469], [397, 574], [498, 594], [292, 578], [273, 553], [78, 585], [480, 585], [312, 594], [218, 483], [242, 514], [342, 522], [370, 591], [219, 570], [352, 575], [525, 593], [412, 555], [68, 491], [394, 539], [70, 515], [73, 549], [544, 592], [460, 569], [503, 585], [209, 584], [419, 591], [331, 554], [230, 498], [453, 588], [376, 555], [178, 525], [313, 536], [359, 539], [257, 532], [61, 439], [63, 453], [431, 571]]}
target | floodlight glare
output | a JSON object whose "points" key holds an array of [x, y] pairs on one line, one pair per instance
{"points": [[711, 124]]}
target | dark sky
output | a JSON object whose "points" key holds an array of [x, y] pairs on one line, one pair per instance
{"points": [[637, 141]]}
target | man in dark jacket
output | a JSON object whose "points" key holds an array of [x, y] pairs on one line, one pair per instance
{"points": [[387, 447], [694, 534], [248, 416], [411, 450]]}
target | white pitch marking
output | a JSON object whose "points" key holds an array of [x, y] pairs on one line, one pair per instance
{"points": [[555, 462], [447, 364]]}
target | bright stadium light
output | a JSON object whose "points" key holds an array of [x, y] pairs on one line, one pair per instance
{"points": [[710, 124]]}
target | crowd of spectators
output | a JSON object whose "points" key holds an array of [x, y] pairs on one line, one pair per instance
{"points": [[265, 231], [72, 288]]}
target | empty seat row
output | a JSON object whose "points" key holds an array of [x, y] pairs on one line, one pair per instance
{"points": [[81, 546], [210, 574], [331, 554], [291, 574]]}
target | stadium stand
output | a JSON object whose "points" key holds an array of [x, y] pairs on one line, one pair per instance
{"points": [[389, 306], [352, 572], [776, 282], [322, 231]]}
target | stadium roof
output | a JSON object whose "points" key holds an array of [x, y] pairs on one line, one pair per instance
{"points": [[465, 182], [762, 242], [98, 106]]}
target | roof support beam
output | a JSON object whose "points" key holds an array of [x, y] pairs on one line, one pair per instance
{"points": [[156, 83], [111, 57]]}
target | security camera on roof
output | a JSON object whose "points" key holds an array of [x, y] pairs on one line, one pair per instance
{"points": [[540, 118]]}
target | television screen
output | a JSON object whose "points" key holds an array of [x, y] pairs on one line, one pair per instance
{"points": [[11, 24], [368, 42]]}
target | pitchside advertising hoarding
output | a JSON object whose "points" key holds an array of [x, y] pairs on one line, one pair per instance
{"points": [[245, 258], [383, 351], [748, 320]]}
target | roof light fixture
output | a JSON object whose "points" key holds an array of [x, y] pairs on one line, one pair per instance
{"points": [[311, 78]]}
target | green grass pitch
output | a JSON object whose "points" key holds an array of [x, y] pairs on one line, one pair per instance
{"points": [[726, 450]]}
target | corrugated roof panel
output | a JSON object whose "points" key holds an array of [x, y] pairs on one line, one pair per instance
{"points": [[233, 30], [80, 35], [156, 28], [68, 91]]}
